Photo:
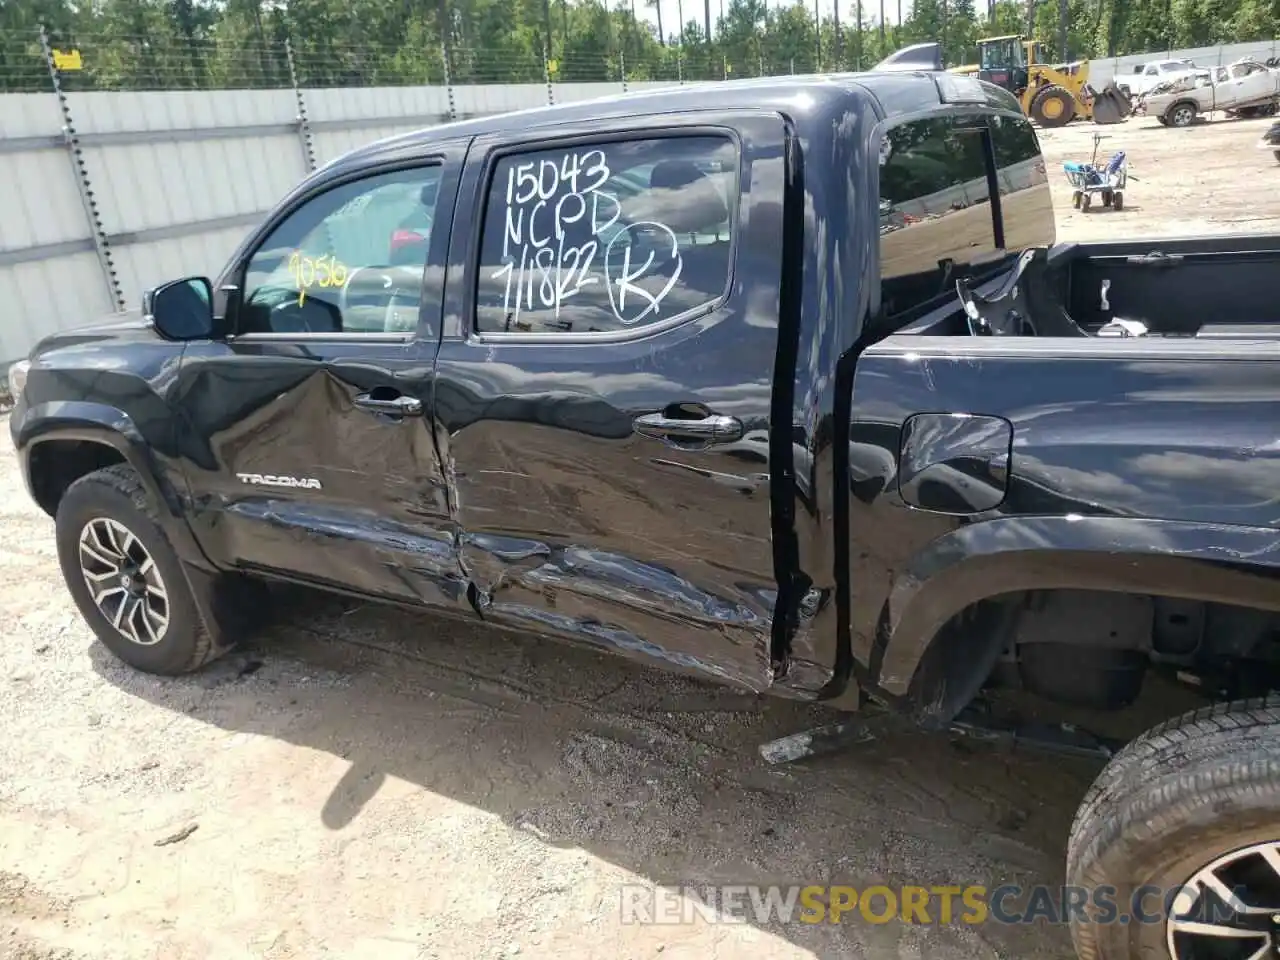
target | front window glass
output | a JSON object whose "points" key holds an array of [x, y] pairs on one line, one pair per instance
{"points": [[348, 261]]}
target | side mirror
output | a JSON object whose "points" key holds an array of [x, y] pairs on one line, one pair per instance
{"points": [[181, 309]]}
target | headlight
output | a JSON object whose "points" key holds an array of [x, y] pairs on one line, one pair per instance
{"points": [[18, 378]]}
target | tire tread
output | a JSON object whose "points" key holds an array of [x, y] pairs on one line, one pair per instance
{"points": [[1181, 771]]}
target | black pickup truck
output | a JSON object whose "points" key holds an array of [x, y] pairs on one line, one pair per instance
{"points": [[785, 383]]}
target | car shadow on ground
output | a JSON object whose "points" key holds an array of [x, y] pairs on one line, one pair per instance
{"points": [[655, 773]]}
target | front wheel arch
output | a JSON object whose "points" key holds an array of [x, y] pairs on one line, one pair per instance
{"points": [[53, 465]]}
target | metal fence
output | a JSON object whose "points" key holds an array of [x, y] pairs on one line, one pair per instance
{"points": [[109, 191]]}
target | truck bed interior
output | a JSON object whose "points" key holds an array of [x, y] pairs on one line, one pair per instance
{"points": [[1220, 288]]}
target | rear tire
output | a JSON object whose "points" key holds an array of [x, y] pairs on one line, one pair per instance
{"points": [[140, 605], [1276, 153], [1053, 106], [1181, 114], [1165, 808], [1117, 201]]}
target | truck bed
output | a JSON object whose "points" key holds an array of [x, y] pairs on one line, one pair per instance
{"points": [[1204, 287], [1221, 288]]}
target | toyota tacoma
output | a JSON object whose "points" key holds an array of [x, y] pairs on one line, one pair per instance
{"points": [[785, 383]]}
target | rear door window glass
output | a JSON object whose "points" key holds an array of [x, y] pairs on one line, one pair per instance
{"points": [[935, 215], [607, 237]]}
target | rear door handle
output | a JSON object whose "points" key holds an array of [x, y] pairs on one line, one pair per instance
{"points": [[711, 427], [401, 406]]}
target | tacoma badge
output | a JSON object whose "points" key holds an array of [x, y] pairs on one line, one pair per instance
{"points": [[270, 480]]}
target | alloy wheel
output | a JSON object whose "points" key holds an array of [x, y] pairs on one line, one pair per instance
{"points": [[124, 582], [1230, 909]]}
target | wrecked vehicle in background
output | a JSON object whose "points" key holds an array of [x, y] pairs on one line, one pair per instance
{"points": [[1147, 77], [1247, 88]]}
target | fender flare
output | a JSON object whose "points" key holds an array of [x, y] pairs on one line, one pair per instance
{"points": [[106, 425], [1219, 563]]}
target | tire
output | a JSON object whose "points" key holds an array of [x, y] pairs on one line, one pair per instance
{"points": [[1164, 121], [1276, 153], [1173, 801], [1117, 200], [1076, 199], [94, 522], [1181, 114], [1086, 202], [1053, 106], [1107, 197]]}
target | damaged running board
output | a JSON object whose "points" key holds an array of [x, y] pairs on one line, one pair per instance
{"points": [[1060, 739]]}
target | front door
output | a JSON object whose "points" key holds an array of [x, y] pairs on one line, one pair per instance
{"points": [[308, 448], [604, 385]]}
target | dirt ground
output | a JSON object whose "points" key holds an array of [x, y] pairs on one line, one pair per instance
{"points": [[365, 783]]}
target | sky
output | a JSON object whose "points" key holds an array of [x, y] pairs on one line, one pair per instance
{"points": [[693, 8]]}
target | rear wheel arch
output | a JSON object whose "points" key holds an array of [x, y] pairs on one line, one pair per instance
{"points": [[955, 609], [1176, 114]]}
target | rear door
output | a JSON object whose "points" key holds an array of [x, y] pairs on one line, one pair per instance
{"points": [[308, 445], [604, 384]]}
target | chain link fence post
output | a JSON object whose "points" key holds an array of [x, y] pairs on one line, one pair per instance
{"points": [[546, 73], [622, 68], [101, 242], [448, 83], [303, 124]]}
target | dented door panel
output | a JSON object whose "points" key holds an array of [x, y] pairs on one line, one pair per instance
{"points": [[289, 476], [581, 514]]}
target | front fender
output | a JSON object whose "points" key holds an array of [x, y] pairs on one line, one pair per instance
{"points": [[92, 422], [1191, 560]]}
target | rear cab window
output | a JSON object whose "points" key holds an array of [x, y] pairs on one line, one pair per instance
{"points": [[936, 216], [607, 237]]}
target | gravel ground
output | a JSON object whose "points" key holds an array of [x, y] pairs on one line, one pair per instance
{"points": [[367, 783]]}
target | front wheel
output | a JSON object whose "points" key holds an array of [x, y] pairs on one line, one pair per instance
{"points": [[125, 578], [1184, 826], [1053, 106]]}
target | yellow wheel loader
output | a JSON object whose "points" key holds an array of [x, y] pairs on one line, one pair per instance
{"points": [[1051, 95]]}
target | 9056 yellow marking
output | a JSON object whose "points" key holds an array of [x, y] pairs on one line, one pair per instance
{"points": [[308, 272]]}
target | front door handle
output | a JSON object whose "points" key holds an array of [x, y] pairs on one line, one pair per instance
{"points": [[401, 406], [713, 427]]}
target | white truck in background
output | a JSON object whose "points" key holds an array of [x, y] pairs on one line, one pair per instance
{"points": [[1246, 88], [1148, 76]]}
